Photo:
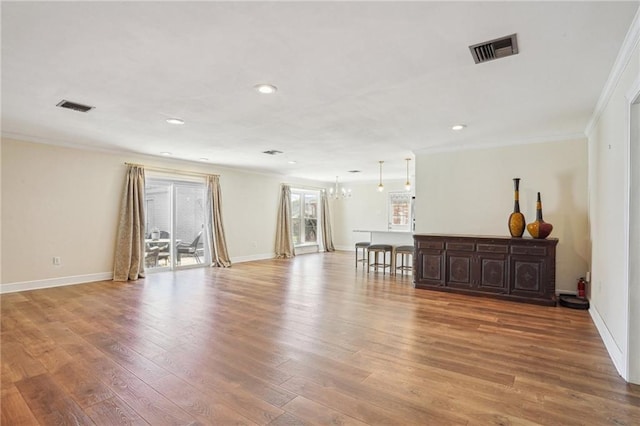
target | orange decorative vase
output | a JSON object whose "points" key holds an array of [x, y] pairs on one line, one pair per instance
{"points": [[516, 219], [539, 229]]}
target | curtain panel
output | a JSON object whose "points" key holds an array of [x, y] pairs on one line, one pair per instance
{"points": [[284, 239], [129, 255], [327, 239], [215, 229]]}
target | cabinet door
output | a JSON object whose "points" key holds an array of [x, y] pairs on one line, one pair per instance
{"points": [[430, 267], [492, 273], [529, 276], [459, 269]]}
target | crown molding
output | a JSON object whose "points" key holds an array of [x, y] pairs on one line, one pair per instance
{"points": [[491, 145], [624, 56]]}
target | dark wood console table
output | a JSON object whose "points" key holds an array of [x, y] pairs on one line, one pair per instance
{"points": [[519, 269]]}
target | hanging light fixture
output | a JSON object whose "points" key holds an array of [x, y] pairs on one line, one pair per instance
{"points": [[338, 192], [407, 184], [380, 185]]}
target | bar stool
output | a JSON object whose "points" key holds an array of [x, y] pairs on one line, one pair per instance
{"points": [[362, 245], [379, 248], [404, 252]]}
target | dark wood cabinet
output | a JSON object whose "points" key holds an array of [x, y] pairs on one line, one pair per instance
{"points": [[520, 269]]}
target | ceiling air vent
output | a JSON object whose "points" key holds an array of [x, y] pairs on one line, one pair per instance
{"points": [[494, 49], [272, 152], [74, 106]]}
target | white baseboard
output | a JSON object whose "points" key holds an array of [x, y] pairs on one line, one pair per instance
{"points": [[345, 248], [614, 350], [55, 282], [252, 257]]}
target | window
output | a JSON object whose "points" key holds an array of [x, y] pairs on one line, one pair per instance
{"points": [[304, 216], [400, 211]]}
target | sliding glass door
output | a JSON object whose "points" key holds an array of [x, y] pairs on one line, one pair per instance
{"points": [[175, 217]]}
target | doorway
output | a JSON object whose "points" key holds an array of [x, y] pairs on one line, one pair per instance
{"points": [[175, 217], [633, 261]]}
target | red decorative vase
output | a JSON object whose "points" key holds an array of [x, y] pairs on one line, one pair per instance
{"points": [[539, 229], [516, 219]]}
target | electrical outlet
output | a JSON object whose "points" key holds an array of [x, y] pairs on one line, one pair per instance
{"points": [[57, 261], [254, 244]]}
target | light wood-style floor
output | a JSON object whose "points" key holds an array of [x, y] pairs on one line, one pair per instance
{"points": [[301, 341]]}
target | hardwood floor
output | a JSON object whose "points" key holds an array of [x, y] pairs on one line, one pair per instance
{"points": [[301, 341]]}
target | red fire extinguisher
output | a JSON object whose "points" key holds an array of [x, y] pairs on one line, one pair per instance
{"points": [[582, 284]]}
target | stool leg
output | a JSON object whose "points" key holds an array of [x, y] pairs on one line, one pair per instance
{"points": [[356, 257], [384, 262]]}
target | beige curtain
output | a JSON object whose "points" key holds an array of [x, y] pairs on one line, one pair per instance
{"points": [[284, 239], [129, 257], [215, 230], [327, 239]]}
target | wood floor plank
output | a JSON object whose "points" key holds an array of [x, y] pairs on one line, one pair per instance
{"points": [[300, 341], [14, 409], [197, 403], [221, 389], [17, 363], [142, 367], [288, 419], [146, 401], [49, 403], [343, 402], [317, 414], [82, 384], [114, 412]]}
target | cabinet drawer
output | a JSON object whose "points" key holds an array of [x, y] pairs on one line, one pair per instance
{"points": [[438, 245], [533, 251], [493, 248], [460, 246]]}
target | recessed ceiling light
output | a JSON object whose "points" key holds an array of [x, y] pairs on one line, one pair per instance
{"points": [[291, 162], [175, 121], [458, 127], [165, 153], [266, 89], [203, 159]]}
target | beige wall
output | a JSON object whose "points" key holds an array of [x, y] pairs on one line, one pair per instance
{"points": [[57, 202], [366, 209], [615, 313], [64, 202], [471, 192]]}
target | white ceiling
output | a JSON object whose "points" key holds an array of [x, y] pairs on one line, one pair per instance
{"points": [[358, 82]]}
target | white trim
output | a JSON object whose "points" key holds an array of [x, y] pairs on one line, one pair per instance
{"points": [[615, 353], [345, 248], [55, 282], [504, 144], [626, 308], [631, 95], [634, 92], [251, 258], [624, 56]]}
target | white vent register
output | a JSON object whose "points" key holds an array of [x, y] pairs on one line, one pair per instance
{"points": [[494, 49]]}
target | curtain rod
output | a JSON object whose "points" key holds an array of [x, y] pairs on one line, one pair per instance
{"points": [[295, 185], [163, 169]]}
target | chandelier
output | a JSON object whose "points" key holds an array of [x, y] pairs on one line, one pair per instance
{"points": [[338, 192]]}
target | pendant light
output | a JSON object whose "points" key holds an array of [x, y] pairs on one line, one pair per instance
{"points": [[407, 184], [380, 185]]}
